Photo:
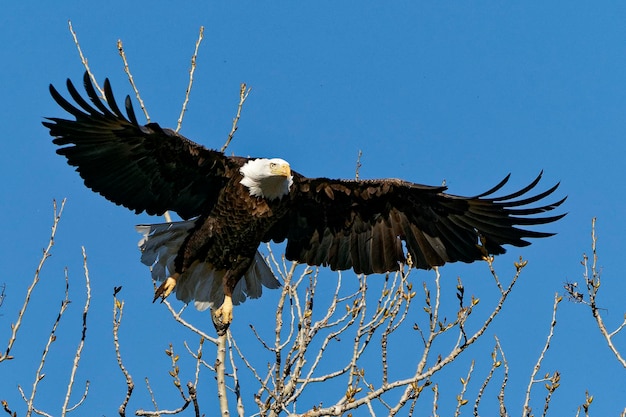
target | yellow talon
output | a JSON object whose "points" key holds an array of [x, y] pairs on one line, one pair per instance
{"points": [[166, 287], [225, 312]]}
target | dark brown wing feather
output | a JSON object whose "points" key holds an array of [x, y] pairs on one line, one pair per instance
{"points": [[145, 168], [368, 226]]}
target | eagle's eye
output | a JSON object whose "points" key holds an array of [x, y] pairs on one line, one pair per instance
{"points": [[273, 165]]}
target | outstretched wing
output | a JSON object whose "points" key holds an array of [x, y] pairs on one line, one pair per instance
{"points": [[144, 168], [369, 226]]}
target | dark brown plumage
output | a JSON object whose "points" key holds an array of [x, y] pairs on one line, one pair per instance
{"points": [[236, 203]]}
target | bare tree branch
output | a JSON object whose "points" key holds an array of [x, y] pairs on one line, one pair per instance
{"points": [[358, 165], [120, 50], [46, 254], [243, 95], [178, 317], [191, 71], [81, 344], [460, 400], [84, 60], [593, 286], [292, 369], [39, 375], [220, 370], [552, 381], [118, 309]]}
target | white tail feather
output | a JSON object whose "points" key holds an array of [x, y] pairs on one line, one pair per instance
{"points": [[200, 282]]}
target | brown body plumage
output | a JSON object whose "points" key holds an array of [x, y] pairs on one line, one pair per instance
{"points": [[368, 226]]}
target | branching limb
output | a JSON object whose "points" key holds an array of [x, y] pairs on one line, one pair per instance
{"points": [[587, 404], [191, 399], [495, 364], [552, 381], [152, 397], [263, 387], [358, 165], [84, 61], [593, 286], [175, 372], [503, 412], [81, 344], [414, 384], [243, 95], [46, 254], [178, 317], [145, 413], [39, 375], [118, 309], [191, 71], [237, 387], [198, 357], [120, 50], [435, 400], [460, 401]]}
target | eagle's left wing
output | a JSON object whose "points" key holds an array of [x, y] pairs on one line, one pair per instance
{"points": [[144, 168], [369, 226]]}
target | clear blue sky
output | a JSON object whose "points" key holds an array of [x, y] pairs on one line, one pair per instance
{"points": [[465, 92]]}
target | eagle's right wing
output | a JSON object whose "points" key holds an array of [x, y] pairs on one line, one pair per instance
{"points": [[370, 226], [144, 168]]}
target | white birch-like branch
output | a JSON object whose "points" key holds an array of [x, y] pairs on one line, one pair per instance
{"points": [[190, 84], [552, 380], [81, 344], [84, 61], [295, 363], [593, 286], [46, 254]]}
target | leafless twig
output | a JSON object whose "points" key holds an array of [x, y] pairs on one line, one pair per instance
{"points": [[505, 379], [178, 317], [460, 400], [152, 397], [358, 165], [587, 404], [46, 254], [552, 381], [118, 309], [81, 344], [593, 286], [237, 390], [243, 95], [495, 364], [84, 60], [120, 50], [189, 398], [39, 375], [300, 344], [191, 71]]}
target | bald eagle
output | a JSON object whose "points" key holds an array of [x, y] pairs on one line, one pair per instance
{"points": [[230, 204]]}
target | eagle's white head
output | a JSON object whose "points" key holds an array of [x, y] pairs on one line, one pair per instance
{"points": [[267, 178]]}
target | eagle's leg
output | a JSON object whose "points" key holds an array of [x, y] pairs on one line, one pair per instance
{"points": [[223, 316], [166, 287], [225, 312]]}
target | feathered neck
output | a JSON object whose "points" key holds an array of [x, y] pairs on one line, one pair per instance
{"points": [[267, 178]]}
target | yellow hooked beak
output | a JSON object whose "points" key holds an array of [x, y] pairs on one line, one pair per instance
{"points": [[284, 170]]}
